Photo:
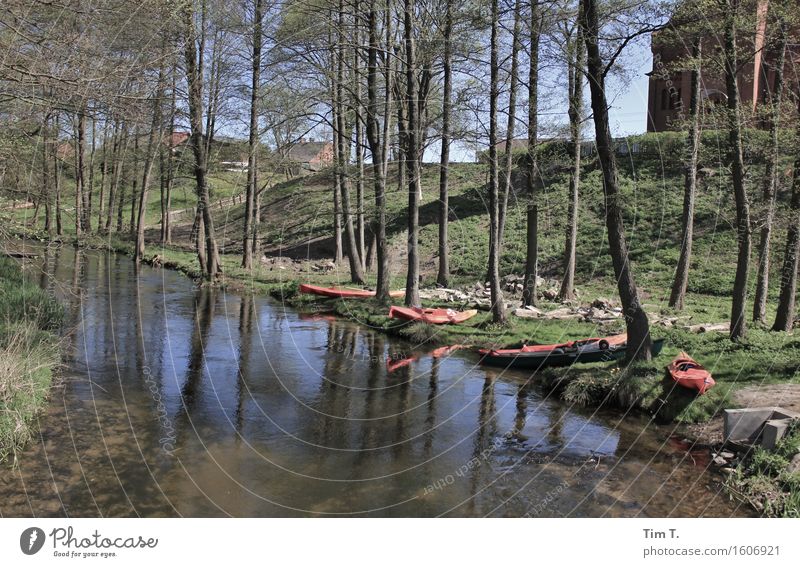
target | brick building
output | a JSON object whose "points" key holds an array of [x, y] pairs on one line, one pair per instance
{"points": [[669, 88]]}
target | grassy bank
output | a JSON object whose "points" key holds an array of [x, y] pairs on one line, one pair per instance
{"points": [[28, 355], [764, 358], [768, 480]]}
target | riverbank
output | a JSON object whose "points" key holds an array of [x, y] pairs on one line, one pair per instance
{"points": [[755, 366], [29, 353], [766, 358]]}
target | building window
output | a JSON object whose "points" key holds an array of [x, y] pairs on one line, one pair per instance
{"points": [[664, 99]]}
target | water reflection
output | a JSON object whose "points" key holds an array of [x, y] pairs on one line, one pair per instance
{"points": [[186, 400]]}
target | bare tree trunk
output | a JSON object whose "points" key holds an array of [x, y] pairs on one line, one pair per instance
{"points": [[498, 305], [343, 141], [678, 294], [48, 221], [784, 319], [402, 128], [134, 184], [338, 254], [200, 236], [575, 111], [153, 141], [770, 184], [194, 75], [638, 327], [257, 220], [743, 229], [529, 291], [512, 117], [247, 245], [80, 134], [377, 145], [57, 171], [101, 198], [359, 137], [89, 193], [411, 156], [120, 149], [443, 275], [166, 220]]}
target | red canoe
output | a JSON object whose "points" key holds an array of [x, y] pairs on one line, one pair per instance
{"points": [[341, 292], [432, 316], [688, 373]]}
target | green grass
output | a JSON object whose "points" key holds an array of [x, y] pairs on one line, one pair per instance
{"points": [[28, 355], [765, 480]]}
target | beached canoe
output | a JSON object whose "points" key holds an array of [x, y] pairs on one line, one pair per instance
{"points": [[431, 316], [343, 292], [687, 372], [605, 349]]}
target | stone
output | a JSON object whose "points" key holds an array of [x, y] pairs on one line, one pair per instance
{"points": [[727, 455], [794, 465], [774, 430], [550, 294], [719, 461], [528, 312], [564, 313], [764, 425], [603, 303]]}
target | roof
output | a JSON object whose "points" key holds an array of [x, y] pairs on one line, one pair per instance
{"points": [[304, 152]]}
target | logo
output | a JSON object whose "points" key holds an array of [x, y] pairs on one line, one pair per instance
{"points": [[31, 541]]}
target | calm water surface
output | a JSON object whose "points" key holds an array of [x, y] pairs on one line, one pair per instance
{"points": [[178, 401]]}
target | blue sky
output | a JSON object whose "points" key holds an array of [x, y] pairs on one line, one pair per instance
{"points": [[627, 96]]}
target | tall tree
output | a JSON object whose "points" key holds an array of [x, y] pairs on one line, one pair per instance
{"points": [[498, 305], [80, 145], [48, 224], [154, 138], [443, 274], [784, 319], [168, 163], [679, 284], [411, 154], [736, 158], [770, 179], [252, 142], [532, 208], [638, 327], [377, 146], [358, 119], [343, 154], [516, 46], [194, 76], [575, 77]]}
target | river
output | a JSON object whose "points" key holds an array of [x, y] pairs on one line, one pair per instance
{"points": [[176, 400]]}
